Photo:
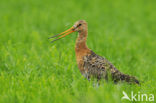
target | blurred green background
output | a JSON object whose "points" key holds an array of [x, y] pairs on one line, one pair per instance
{"points": [[32, 70]]}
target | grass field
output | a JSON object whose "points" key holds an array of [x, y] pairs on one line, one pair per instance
{"points": [[34, 71]]}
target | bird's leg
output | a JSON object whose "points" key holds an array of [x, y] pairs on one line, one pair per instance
{"points": [[96, 83]]}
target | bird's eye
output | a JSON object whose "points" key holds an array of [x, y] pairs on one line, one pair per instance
{"points": [[79, 25]]}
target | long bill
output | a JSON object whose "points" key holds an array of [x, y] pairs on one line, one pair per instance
{"points": [[67, 32]]}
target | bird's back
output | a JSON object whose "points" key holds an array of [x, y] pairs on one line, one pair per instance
{"points": [[98, 67]]}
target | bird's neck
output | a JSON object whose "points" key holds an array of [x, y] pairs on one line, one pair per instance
{"points": [[81, 48], [81, 41]]}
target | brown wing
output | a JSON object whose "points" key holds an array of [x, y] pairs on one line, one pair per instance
{"points": [[98, 67]]}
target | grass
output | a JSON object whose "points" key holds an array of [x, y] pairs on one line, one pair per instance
{"points": [[34, 71]]}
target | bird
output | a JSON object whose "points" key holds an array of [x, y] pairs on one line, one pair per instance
{"points": [[89, 63]]}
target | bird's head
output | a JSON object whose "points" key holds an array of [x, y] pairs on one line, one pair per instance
{"points": [[79, 26]]}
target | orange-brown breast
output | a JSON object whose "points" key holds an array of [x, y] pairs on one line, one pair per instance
{"points": [[81, 51]]}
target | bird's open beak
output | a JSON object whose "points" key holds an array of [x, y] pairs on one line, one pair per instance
{"points": [[67, 32]]}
